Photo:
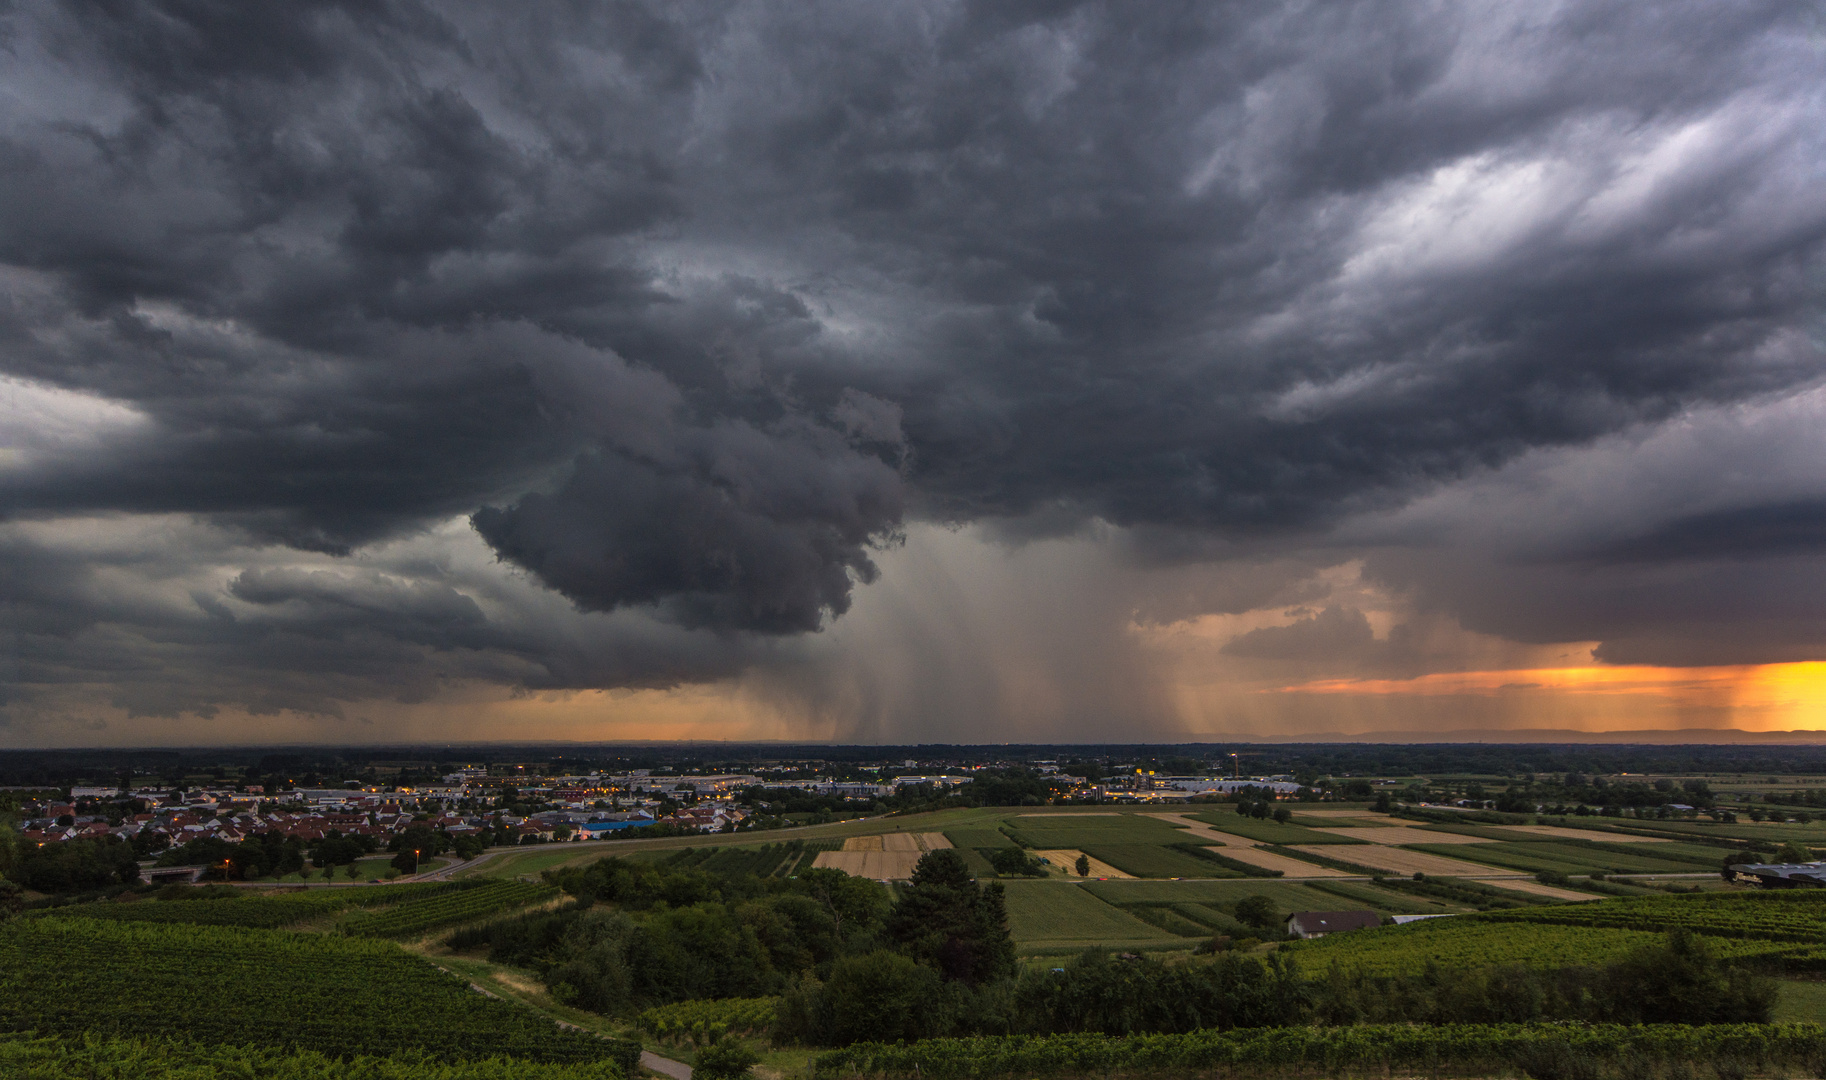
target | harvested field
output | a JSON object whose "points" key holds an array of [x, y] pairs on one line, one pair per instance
{"points": [[1066, 859], [884, 858], [1292, 868], [1538, 889], [1395, 834], [1402, 861], [1198, 830], [1561, 833], [1367, 815]]}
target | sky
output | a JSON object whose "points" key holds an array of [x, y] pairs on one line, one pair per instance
{"points": [[910, 372]]}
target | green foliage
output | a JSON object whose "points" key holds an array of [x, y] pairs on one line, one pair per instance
{"points": [[724, 1061], [880, 995], [159, 1059], [708, 1021], [464, 902], [1464, 1049], [943, 918], [220, 984], [1014, 862], [1475, 941], [1797, 915], [261, 912], [1673, 980], [75, 866], [1257, 911], [1127, 996]]}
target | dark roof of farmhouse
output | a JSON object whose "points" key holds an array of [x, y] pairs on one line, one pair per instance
{"points": [[1331, 922]]}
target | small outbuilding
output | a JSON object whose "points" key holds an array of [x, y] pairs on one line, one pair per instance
{"points": [[1316, 924]]}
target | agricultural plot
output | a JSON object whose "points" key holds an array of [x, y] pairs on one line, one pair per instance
{"points": [[1566, 858], [333, 994], [1287, 896], [1482, 941], [1535, 888], [889, 857], [1082, 831], [1050, 913], [761, 860], [976, 837], [1066, 861], [1793, 916], [1359, 894], [459, 904], [1405, 861], [1275, 832], [259, 912], [1561, 832], [1398, 835], [1158, 861]]}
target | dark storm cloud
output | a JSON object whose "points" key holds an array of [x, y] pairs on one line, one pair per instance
{"points": [[688, 304]]}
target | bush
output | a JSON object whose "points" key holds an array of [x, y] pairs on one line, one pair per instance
{"points": [[726, 1060]]}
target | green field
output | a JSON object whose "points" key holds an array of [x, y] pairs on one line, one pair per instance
{"points": [[217, 984], [1797, 915], [1269, 832], [977, 837], [1566, 858], [1047, 913], [1480, 941], [1078, 832], [1156, 861]]}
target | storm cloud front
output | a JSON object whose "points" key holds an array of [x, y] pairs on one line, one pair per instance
{"points": [[909, 371]]}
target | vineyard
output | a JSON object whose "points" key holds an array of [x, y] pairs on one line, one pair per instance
{"points": [[761, 860], [216, 984], [460, 902], [57, 1059], [708, 1021], [268, 911], [1487, 940], [1795, 915], [1453, 1049], [256, 912]]}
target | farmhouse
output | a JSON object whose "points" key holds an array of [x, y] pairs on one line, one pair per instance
{"points": [[1316, 924], [1781, 875]]}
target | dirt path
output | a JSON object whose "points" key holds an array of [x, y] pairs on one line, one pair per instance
{"points": [[678, 1070]]}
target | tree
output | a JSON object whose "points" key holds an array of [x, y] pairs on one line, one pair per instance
{"points": [[1792, 852], [1257, 911], [726, 1059], [1083, 866], [1282, 814], [945, 920], [1014, 862]]}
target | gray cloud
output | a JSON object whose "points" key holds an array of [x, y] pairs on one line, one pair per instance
{"points": [[693, 306]]}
